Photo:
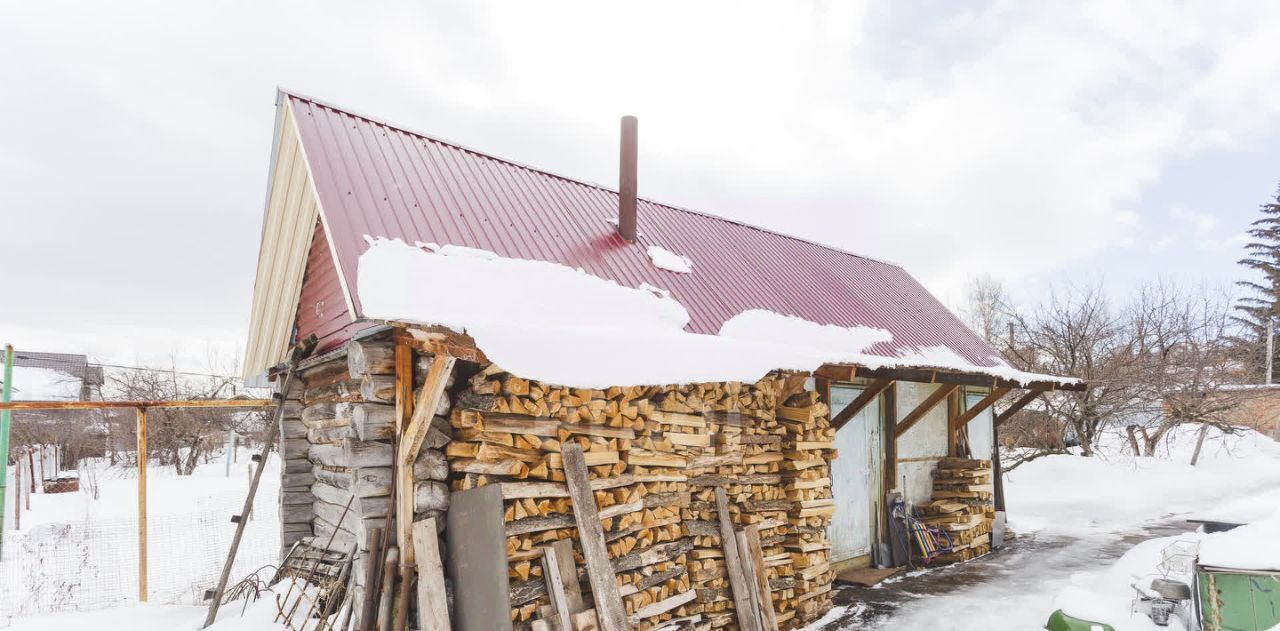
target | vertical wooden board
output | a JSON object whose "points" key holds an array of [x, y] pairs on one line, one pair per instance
{"points": [[478, 560], [555, 590], [755, 553], [747, 620], [604, 585], [404, 476], [433, 607], [568, 571], [749, 573]]}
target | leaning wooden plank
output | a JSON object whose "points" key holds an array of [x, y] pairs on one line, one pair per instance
{"points": [[747, 620], [556, 587], [749, 573], [604, 585], [478, 560], [433, 608], [421, 412], [568, 572], [424, 408], [751, 539]]}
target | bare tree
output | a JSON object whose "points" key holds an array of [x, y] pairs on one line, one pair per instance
{"points": [[1186, 371], [1077, 332], [184, 437], [987, 309]]}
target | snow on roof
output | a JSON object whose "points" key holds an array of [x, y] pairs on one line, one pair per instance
{"points": [[556, 324], [663, 258], [44, 384]]}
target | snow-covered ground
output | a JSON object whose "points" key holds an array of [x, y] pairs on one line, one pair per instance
{"points": [[75, 552], [1116, 491], [1087, 529]]}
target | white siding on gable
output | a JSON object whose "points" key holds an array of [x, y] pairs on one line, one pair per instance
{"points": [[926, 439], [286, 237]]}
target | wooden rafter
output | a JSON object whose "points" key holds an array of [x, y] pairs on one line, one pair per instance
{"points": [[963, 418], [872, 391], [929, 403], [1017, 405]]}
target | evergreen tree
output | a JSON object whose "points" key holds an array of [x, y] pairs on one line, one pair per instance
{"points": [[1263, 300]]}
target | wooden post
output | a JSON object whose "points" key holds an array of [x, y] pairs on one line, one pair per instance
{"points": [[142, 504], [433, 607], [17, 497]]}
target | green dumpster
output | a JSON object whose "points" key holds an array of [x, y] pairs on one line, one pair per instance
{"points": [[1238, 600]]}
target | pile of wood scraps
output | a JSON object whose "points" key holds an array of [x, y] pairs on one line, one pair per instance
{"points": [[962, 507]]}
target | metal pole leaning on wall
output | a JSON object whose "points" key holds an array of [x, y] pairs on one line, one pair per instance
{"points": [[4, 437], [142, 504]]}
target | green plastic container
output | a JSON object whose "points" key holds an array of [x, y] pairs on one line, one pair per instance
{"points": [[1059, 621]]}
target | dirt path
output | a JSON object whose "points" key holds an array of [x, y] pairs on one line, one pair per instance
{"points": [[1011, 589]]}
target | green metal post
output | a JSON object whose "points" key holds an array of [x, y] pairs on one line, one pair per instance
{"points": [[4, 437]]}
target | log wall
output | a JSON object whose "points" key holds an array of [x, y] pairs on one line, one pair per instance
{"points": [[337, 450]]}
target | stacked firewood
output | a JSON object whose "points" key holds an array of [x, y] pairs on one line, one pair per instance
{"points": [[962, 507], [655, 456], [809, 449]]}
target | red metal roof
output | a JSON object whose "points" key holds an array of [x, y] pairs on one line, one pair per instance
{"points": [[376, 179]]}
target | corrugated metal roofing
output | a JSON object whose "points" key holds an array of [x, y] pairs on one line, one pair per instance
{"points": [[376, 179]]}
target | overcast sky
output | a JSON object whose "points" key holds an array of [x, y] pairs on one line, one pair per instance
{"points": [[1029, 141]]}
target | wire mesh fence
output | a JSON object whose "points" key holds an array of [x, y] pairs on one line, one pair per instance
{"points": [[84, 553]]}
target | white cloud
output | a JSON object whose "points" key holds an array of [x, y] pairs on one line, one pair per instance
{"points": [[1013, 139], [1163, 243]]}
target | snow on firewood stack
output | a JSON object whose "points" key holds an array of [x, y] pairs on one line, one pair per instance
{"points": [[962, 507]]}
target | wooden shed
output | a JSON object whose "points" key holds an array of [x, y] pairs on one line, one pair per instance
{"points": [[401, 415]]}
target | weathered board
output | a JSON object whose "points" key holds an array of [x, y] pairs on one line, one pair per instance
{"points": [[478, 560]]}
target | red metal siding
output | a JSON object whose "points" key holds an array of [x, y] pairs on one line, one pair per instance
{"points": [[379, 180], [322, 309]]}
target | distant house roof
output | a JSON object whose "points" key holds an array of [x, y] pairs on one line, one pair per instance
{"points": [[39, 376], [72, 364], [377, 179]]}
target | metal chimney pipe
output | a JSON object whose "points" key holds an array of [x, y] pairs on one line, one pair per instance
{"points": [[627, 180]]}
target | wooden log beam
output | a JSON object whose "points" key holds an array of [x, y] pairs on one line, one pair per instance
{"points": [[868, 395], [1016, 407], [933, 375], [925, 406], [963, 419], [439, 340]]}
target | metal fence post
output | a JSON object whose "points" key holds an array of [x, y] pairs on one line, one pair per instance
{"points": [[4, 436]]}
